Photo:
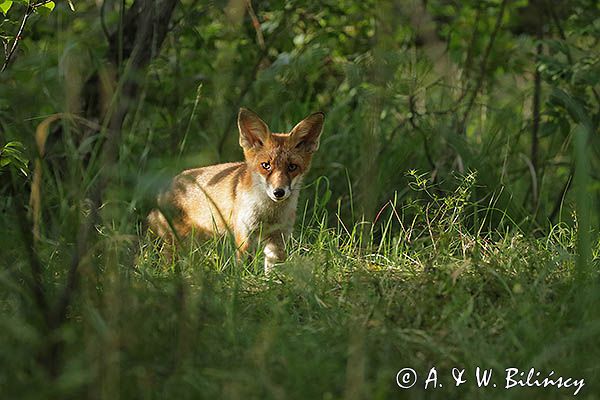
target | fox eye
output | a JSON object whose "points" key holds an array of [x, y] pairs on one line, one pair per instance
{"points": [[292, 167], [266, 165]]}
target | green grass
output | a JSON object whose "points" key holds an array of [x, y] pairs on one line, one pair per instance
{"points": [[497, 268], [353, 305]]}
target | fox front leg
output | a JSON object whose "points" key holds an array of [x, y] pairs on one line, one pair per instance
{"points": [[274, 250], [242, 243]]}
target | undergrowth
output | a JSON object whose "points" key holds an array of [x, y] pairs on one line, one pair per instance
{"points": [[425, 285]]}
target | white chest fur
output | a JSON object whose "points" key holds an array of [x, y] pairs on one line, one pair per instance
{"points": [[257, 212]]}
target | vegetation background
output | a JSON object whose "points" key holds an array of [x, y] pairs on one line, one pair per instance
{"points": [[451, 218]]}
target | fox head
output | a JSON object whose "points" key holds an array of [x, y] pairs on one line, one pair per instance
{"points": [[280, 160]]}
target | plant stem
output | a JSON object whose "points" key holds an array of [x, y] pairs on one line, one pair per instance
{"points": [[15, 44]]}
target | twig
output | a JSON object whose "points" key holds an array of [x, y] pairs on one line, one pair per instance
{"points": [[60, 312], [483, 66], [41, 3], [563, 36], [247, 86], [537, 89], [470, 50], [411, 120], [256, 25], [30, 10], [13, 48]]}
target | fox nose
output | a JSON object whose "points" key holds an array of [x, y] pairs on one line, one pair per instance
{"points": [[279, 193]]}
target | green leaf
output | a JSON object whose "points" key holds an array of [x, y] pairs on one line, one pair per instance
{"points": [[50, 5], [5, 5], [574, 106], [12, 154], [46, 8], [15, 144]]}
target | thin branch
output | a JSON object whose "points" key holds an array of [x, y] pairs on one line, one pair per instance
{"points": [[259, 60], [15, 44], [41, 3], [30, 10], [411, 120], [563, 36], [470, 50], [537, 90], [60, 312], [256, 25], [483, 65]]}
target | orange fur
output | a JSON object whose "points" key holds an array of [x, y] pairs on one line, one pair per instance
{"points": [[259, 194]]}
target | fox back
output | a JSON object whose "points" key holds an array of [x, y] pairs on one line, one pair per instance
{"points": [[255, 197]]}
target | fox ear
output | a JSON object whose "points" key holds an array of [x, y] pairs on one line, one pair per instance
{"points": [[307, 132], [253, 130]]}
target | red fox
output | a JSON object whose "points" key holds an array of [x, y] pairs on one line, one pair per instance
{"points": [[255, 197]]}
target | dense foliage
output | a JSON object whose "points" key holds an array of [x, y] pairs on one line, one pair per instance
{"points": [[451, 217]]}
